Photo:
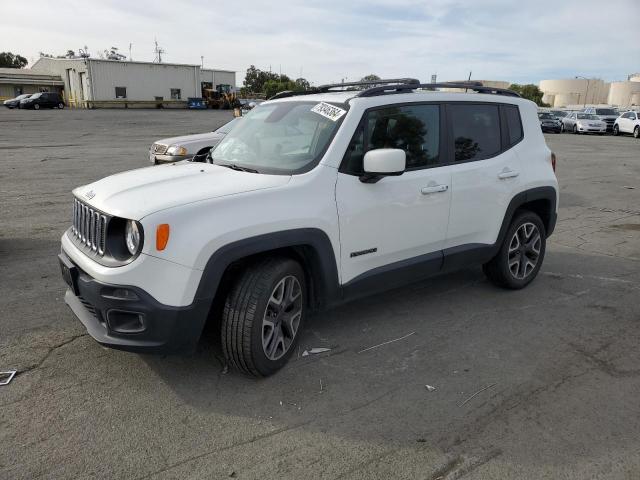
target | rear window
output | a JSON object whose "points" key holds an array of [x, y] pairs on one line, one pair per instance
{"points": [[514, 124], [476, 131], [605, 111]]}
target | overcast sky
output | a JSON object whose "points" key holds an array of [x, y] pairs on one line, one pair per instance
{"points": [[330, 40]]}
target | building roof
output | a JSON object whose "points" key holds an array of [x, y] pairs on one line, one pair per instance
{"points": [[25, 76], [120, 62]]}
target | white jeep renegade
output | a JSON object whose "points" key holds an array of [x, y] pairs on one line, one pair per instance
{"points": [[312, 200]]}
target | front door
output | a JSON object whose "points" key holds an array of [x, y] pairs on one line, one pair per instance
{"points": [[400, 222]]}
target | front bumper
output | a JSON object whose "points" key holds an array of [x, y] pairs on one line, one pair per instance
{"points": [[550, 128], [155, 159], [133, 322]]}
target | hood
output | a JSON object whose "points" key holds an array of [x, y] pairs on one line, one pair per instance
{"points": [[197, 139], [138, 193]]}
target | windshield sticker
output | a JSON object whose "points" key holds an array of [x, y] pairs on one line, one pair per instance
{"points": [[328, 111]]}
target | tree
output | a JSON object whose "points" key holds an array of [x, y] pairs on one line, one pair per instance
{"points": [[530, 92], [9, 60], [255, 79], [269, 83], [271, 87], [370, 78], [302, 84]]}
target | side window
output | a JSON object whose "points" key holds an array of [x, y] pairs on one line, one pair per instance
{"points": [[412, 128], [175, 94], [514, 124], [476, 131]]}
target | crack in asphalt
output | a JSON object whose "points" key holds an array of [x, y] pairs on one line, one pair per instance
{"points": [[52, 349]]}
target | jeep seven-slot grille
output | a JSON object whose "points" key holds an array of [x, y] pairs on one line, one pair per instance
{"points": [[89, 227]]}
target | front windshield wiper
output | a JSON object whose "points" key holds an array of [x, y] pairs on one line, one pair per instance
{"points": [[233, 166]]}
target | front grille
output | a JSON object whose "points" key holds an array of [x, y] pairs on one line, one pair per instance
{"points": [[90, 308], [89, 227], [159, 149]]}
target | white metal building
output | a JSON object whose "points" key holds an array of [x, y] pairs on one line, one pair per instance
{"points": [[90, 82], [16, 81]]}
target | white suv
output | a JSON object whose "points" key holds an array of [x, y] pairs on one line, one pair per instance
{"points": [[628, 122], [312, 200]]}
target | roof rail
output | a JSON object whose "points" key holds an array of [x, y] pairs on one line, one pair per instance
{"points": [[404, 88], [347, 86]]}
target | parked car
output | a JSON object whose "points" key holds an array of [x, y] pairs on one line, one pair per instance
{"points": [[42, 100], [607, 115], [578, 122], [312, 200], [628, 122], [175, 149], [15, 102], [549, 122], [559, 113]]}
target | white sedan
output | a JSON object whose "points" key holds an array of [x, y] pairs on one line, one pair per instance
{"points": [[175, 149], [578, 122]]}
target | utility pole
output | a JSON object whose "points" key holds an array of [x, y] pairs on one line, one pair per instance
{"points": [[130, 58], [201, 61], [586, 92]]}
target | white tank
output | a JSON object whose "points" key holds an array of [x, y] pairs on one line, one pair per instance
{"points": [[624, 94]]}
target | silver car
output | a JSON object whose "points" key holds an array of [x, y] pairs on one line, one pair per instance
{"points": [[578, 122], [174, 149]]}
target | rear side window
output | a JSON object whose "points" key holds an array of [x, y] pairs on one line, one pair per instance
{"points": [[514, 124], [476, 131], [412, 128]]}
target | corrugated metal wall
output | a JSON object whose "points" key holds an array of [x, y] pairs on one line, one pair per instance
{"points": [[143, 81], [218, 77]]}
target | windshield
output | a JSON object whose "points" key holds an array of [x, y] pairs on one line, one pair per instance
{"points": [[280, 138], [586, 116], [605, 111], [227, 126], [559, 113], [36, 95], [546, 116], [23, 96]]}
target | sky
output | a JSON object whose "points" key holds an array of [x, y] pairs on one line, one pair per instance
{"points": [[515, 41]]}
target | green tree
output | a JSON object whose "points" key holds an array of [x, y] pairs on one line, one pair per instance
{"points": [[9, 60], [530, 92], [271, 87], [302, 84], [255, 79], [370, 78]]}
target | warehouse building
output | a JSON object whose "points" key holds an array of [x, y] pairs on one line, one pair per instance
{"points": [[16, 81], [90, 82]]}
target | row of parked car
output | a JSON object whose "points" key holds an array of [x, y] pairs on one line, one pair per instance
{"points": [[591, 120], [36, 101]]}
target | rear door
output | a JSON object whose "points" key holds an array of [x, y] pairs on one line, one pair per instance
{"points": [[486, 171], [625, 123], [400, 222]]}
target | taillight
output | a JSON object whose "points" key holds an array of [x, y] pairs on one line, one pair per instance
{"points": [[553, 161]]}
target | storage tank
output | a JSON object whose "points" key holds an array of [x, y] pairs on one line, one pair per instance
{"points": [[579, 90], [624, 94], [564, 99]]}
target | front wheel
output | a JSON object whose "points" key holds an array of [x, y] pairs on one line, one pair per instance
{"points": [[575, 129], [562, 128], [263, 316], [521, 253], [61, 105], [36, 107], [616, 130], [636, 132]]}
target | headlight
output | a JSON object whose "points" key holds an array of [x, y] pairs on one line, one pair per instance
{"points": [[132, 236], [176, 150]]}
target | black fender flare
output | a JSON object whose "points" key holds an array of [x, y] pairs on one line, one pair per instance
{"points": [[314, 241]]}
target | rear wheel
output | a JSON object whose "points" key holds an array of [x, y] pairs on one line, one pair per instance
{"points": [[36, 107], [616, 130], [636, 132], [61, 105], [521, 254], [263, 316]]}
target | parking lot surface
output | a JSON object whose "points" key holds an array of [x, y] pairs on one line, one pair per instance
{"points": [[532, 384]]}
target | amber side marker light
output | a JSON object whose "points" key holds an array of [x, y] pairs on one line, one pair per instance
{"points": [[162, 236]]}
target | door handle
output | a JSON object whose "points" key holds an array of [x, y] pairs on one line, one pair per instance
{"points": [[508, 174], [434, 189]]}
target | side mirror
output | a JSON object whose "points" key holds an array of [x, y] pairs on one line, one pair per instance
{"points": [[383, 162]]}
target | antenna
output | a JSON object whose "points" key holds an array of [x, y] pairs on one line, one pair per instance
{"points": [[201, 61], [130, 45], [158, 51]]}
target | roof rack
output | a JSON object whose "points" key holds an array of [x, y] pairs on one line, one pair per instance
{"points": [[348, 86], [474, 86]]}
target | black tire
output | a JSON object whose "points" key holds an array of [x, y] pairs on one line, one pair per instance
{"points": [[562, 129], [575, 129], [245, 308], [498, 270], [61, 105], [36, 107], [616, 130], [636, 132]]}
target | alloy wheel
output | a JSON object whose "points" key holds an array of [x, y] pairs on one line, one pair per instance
{"points": [[282, 317], [524, 250]]}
